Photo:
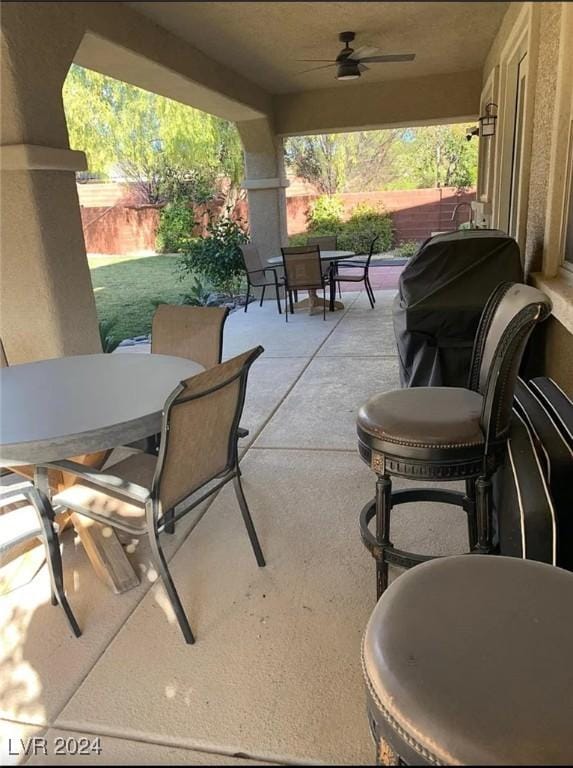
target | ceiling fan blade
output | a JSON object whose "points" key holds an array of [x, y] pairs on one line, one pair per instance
{"points": [[364, 52], [314, 69], [388, 57], [362, 67]]}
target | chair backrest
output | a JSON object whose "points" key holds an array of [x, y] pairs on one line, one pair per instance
{"points": [[199, 429], [324, 242], [251, 258], [3, 358], [508, 318], [192, 332], [302, 266], [371, 251]]}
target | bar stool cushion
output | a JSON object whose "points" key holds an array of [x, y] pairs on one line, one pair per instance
{"points": [[468, 660], [424, 422]]}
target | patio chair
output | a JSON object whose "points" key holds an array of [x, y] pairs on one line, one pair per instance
{"points": [[57, 480], [362, 276], [257, 274], [34, 520], [192, 332], [303, 271], [326, 243], [449, 433], [467, 661], [198, 455]]}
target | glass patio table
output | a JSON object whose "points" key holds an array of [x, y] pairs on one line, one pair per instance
{"points": [[69, 406], [314, 303]]}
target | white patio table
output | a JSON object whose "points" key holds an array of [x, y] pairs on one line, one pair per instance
{"points": [[314, 302], [55, 409]]}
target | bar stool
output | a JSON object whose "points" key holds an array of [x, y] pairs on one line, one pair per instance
{"points": [[467, 661], [448, 433]]}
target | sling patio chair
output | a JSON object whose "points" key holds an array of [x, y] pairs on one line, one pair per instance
{"points": [[326, 243], [34, 520], [303, 271], [192, 332], [257, 274], [361, 274], [198, 455]]}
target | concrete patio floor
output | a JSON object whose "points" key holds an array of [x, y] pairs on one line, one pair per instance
{"points": [[275, 674]]}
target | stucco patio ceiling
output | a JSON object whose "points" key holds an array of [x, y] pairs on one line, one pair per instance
{"points": [[262, 41]]}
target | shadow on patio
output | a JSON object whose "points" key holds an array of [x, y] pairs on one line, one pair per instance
{"points": [[275, 674]]}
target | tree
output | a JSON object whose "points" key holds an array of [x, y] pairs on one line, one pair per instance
{"points": [[165, 148], [321, 160], [437, 156], [432, 156]]}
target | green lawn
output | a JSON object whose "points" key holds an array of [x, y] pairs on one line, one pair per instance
{"points": [[126, 288]]}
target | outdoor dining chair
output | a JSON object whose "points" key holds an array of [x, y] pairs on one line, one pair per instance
{"points": [[34, 520], [326, 243], [198, 455], [303, 271], [192, 332], [449, 433], [361, 268], [257, 274], [57, 480]]}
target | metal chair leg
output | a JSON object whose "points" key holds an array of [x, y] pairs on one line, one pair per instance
{"points": [[370, 288], [383, 508], [247, 296], [54, 561], [370, 296], [262, 296], [484, 515], [470, 507], [278, 298], [169, 526], [174, 599], [249, 525]]}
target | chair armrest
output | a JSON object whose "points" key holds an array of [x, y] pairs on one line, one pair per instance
{"points": [[104, 480], [242, 432], [351, 264]]}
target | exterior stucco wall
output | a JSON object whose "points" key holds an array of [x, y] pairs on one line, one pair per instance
{"points": [[416, 101], [545, 87], [551, 74]]}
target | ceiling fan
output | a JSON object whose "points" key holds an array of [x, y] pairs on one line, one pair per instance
{"points": [[350, 63]]}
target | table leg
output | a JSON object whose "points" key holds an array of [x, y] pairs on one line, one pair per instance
{"points": [[314, 303], [101, 544]]}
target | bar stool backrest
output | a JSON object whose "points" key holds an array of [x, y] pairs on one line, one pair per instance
{"points": [[510, 315]]}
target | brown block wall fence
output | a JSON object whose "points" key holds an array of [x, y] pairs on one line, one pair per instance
{"points": [[113, 224]]}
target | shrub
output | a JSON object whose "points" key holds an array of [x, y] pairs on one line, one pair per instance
{"points": [[108, 341], [199, 292], [217, 257], [365, 223], [407, 249], [176, 222], [325, 215]]}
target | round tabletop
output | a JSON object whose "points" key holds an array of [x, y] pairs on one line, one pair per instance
{"points": [[324, 256], [54, 409]]}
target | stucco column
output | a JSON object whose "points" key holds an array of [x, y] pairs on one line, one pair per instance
{"points": [[265, 183], [47, 307]]}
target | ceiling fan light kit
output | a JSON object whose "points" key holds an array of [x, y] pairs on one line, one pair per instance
{"points": [[350, 63]]}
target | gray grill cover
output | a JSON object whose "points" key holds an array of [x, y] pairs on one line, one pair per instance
{"points": [[442, 292]]}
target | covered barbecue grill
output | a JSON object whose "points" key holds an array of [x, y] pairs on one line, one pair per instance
{"points": [[442, 292]]}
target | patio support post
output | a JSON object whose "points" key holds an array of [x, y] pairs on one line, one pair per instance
{"points": [[47, 307], [266, 183]]}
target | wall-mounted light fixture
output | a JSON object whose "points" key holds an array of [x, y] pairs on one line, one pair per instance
{"points": [[488, 120]]}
